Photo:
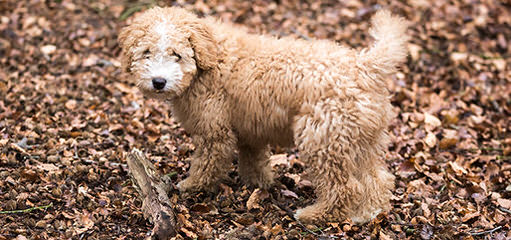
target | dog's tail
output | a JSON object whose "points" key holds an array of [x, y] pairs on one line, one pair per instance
{"points": [[389, 48]]}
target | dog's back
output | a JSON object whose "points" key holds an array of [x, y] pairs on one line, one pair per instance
{"points": [[268, 80]]}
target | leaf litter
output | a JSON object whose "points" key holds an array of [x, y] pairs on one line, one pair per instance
{"points": [[67, 116]]}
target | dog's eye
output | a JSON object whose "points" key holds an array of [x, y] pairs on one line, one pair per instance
{"points": [[146, 53], [178, 56]]}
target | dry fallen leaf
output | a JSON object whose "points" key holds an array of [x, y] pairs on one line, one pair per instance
{"points": [[430, 140], [71, 104], [48, 49], [384, 236], [200, 207], [279, 159], [505, 203], [458, 57], [431, 121], [49, 167], [288, 193], [458, 170], [255, 198], [470, 216], [446, 143]]}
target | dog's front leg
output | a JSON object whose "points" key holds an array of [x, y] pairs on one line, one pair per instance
{"points": [[211, 160], [254, 165]]}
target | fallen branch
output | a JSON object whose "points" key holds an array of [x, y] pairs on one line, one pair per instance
{"points": [[27, 210], [485, 232], [153, 191]]}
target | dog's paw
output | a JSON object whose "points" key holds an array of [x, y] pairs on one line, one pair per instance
{"points": [[311, 214], [193, 185], [361, 219], [297, 214], [187, 185]]}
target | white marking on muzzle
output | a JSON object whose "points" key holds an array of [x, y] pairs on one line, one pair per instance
{"points": [[161, 68]]}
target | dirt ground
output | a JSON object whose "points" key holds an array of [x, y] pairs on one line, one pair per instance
{"points": [[67, 116]]}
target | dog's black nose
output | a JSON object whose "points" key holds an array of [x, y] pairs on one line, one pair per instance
{"points": [[159, 83]]}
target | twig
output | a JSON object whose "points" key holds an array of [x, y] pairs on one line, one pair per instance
{"points": [[295, 31], [19, 149], [473, 150], [505, 210], [27, 210], [289, 212], [407, 224], [319, 236], [485, 232]]}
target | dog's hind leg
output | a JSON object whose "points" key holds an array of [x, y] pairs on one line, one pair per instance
{"points": [[254, 165], [345, 162]]}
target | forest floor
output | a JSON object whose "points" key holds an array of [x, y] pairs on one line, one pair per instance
{"points": [[67, 116]]}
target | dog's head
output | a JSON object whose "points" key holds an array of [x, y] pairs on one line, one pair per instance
{"points": [[164, 48]]}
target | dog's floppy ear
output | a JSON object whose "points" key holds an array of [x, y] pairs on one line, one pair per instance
{"points": [[127, 40], [126, 61], [204, 45]]}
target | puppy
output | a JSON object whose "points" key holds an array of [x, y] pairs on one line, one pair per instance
{"points": [[239, 92]]}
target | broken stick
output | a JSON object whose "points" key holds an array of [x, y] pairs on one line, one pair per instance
{"points": [[153, 189]]}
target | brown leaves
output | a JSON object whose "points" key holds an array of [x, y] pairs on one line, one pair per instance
{"points": [[457, 169], [48, 49], [83, 222], [67, 115], [204, 208], [255, 199], [431, 121], [447, 143], [71, 104], [505, 203], [279, 159]]}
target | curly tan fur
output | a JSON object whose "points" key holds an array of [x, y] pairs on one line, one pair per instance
{"points": [[235, 91]]}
